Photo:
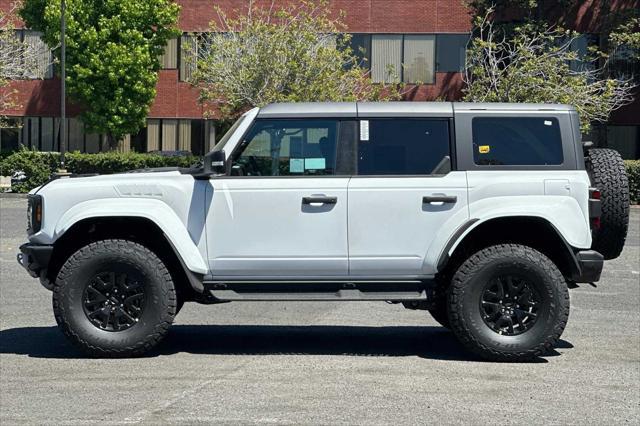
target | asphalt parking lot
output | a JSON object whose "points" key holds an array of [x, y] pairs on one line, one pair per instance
{"points": [[318, 363]]}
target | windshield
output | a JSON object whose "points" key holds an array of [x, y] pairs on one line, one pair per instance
{"points": [[220, 145]]}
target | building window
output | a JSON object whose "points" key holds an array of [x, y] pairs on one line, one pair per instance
{"points": [[139, 141], [197, 137], [581, 46], [169, 60], [188, 56], [48, 134], [418, 60], [406, 58], [625, 140], [386, 57], [11, 134], [451, 52], [42, 65], [153, 135], [170, 134], [75, 135], [360, 45], [624, 63], [93, 143]]}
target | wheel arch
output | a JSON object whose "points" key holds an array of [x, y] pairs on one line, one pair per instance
{"points": [[134, 228], [534, 231]]}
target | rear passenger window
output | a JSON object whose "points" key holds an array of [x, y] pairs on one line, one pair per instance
{"points": [[403, 147], [516, 141]]}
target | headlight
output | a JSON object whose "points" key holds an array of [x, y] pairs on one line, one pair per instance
{"points": [[34, 213]]}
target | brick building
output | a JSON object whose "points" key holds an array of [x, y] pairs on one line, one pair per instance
{"points": [[427, 36]]}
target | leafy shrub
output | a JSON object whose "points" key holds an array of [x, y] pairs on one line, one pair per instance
{"points": [[633, 171], [39, 166], [118, 162]]}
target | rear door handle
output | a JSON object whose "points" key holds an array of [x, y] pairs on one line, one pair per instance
{"points": [[450, 199], [319, 199]]}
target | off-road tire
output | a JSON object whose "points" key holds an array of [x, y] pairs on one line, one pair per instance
{"points": [[469, 283], [608, 174], [159, 306]]}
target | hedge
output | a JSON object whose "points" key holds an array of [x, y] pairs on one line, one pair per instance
{"points": [[39, 166], [633, 171]]}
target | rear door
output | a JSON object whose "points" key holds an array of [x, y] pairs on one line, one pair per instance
{"points": [[404, 197]]}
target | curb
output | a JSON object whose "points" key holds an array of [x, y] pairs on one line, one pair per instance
{"points": [[12, 195]]}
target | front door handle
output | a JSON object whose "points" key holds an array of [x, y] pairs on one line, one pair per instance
{"points": [[319, 199], [449, 199]]}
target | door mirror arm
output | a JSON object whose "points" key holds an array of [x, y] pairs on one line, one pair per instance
{"points": [[213, 164]]}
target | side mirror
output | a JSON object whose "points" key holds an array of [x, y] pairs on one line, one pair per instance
{"points": [[214, 163]]}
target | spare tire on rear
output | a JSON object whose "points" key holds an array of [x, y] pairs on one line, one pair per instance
{"points": [[607, 173]]}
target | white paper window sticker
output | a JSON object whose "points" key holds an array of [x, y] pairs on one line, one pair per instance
{"points": [[296, 165], [548, 123], [315, 163], [364, 130]]}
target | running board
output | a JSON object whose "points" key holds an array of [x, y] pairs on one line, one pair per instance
{"points": [[318, 291], [345, 295]]}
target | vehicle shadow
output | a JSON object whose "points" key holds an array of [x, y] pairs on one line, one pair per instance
{"points": [[397, 341]]}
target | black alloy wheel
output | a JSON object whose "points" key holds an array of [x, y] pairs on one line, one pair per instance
{"points": [[509, 305], [114, 300]]}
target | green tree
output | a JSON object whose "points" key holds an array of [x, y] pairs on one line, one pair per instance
{"points": [[113, 50], [292, 53], [533, 65], [627, 34]]}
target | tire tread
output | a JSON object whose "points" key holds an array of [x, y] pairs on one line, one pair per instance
{"points": [[607, 173], [117, 246], [460, 282]]}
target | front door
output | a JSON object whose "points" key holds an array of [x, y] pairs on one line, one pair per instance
{"points": [[404, 199], [282, 213]]}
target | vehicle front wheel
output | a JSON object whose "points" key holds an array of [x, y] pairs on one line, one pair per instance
{"points": [[508, 302], [114, 298]]}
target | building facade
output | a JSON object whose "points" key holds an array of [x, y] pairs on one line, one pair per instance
{"points": [[424, 39]]}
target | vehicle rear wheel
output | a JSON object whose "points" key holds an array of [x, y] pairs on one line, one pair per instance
{"points": [[608, 174], [508, 303], [114, 298]]}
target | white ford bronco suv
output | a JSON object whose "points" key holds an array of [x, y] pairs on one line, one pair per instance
{"points": [[482, 214]]}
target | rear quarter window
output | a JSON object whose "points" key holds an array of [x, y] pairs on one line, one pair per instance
{"points": [[515, 141]]}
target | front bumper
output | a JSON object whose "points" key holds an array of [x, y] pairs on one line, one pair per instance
{"points": [[35, 258], [590, 264]]}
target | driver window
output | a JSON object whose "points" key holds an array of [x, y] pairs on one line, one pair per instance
{"points": [[287, 148]]}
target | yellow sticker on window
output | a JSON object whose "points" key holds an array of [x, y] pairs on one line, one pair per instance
{"points": [[484, 149]]}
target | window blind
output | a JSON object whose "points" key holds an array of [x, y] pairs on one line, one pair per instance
{"points": [[419, 53], [169, 133], [386, 57], [169, 60], [153, 135], [188, 56]]}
